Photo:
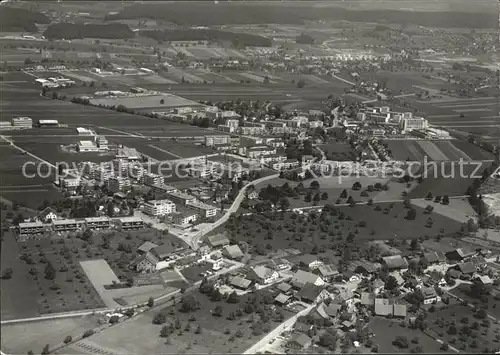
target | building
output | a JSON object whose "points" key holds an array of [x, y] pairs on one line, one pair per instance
{"points": [[430, 295], [102, 142], [394, 262], [309, 261], [81, 131], [211, 141], [327, 272], [87, 147], [151, 179], [70, 182], [263, 275], [240, 282], [309, 293], [232, 252], [67, 225], [383, 307], [459, 254], [146, 247], [48, 123], [98, 222], [145, 263], [162, 252], [435, 257], [159, 207], [131, 222], [218, 240], [117, 184], [299, 341], [47, 215], [180, 197], [161, 188], [203, 209], [185, 218], [22, 122], [30, 228], [301, 277], [408, 124]]}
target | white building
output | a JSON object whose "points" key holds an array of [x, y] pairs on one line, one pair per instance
{"points": [[159, 207], [85, 131], [22, 122], [185, 218], [87, 147], [70, 182], [203, 209], [408, 124], [151, 179], [102, 142]]}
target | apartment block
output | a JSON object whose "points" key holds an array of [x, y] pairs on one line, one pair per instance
{"points": [[159, 207]]}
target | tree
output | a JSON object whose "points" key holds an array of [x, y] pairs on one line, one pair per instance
{"points": [[217, 312], [301, 83], [151, 302], [45, 350], [162, 101], [50, 271], [30, 352], [189, 303], [7, 274], [266, 80], [68, 339], [233, 298], [159, 318], [401, 341], [415, 245], [165, 332], [317, 198], [114, 320], [314, 185], [411, 214], [324, 196], [328, 339], [357, 186], [437, 199], [446, 200], [429, 196], [343, 194], [129, 312], [391, 283]]}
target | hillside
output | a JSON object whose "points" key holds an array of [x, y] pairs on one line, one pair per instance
{"points": [[75, 31], [248, 13], [20, 20], [241, 39]]}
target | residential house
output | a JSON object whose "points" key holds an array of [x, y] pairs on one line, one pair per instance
{"points": [[163, 251], [284, 287], [483, 280], [309, 293], [435, 257], [263, 275], [218, 240], [282, 299], [30, 229], [378, 286], [454, 273], [145, 263], [47, 215], [367, 299], [146, 247], [348, 320], [301, 277], [185, 218], [466, 268], [459, 254], [240, 282], [395, 262], [232, 252], [299, 341], [383, 307], [327, 272], [307, 159], [308, 261], [279, 264], [430, 295], [365, 267]]}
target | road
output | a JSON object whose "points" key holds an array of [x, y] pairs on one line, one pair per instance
{"points": [[195, 241]]}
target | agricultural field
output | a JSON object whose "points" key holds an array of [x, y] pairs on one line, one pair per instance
{"points": [[387, 330], [447, 178], [467, 336], [141, 102], [191, 332], [490, 302], [69, 289], [338, 151], [52, 332]]}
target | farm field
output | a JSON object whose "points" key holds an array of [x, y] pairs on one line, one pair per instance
{"points": [[466, 339], [52, 332], [151, 101], [463, 291], [387, 330], [140, 335], [447, 179], [338, 151]]}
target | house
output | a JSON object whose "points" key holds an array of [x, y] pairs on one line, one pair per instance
{"points": [[327, 272], [309, 293], [47, 215], [378, 286], [299, 341], [232, 252], [263, 275], [163, 251], [348, 320], [453, 273], [435, 257], [434, 278], [282, 299], [397, 276], [301, 277], [284, 287], [383, 307], [478, 261], [467, 268], [253, 195], [367, 299], [102, 222], [145, 263], [146, 247], [279, 264], [430, 295], [30, 229], [218, 240], [240, 282], [307, 159], [365, 267], [394, 262], [400, 311], [484, 280], [333, 309], [309, 261], [459, 254]]}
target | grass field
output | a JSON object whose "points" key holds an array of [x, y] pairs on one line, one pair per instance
{"points": [[387, 330], [477, 341], [52, 332], [462, 291], [152, 101]]}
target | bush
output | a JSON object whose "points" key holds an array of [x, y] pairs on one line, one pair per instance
{"points": [[68, 339], [88, 333]]}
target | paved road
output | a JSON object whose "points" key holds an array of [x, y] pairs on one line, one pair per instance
{"points": [[234, 207]]}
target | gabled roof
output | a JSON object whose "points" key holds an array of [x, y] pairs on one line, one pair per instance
{"points": [[306, 259], [148, 257], [218, 239], [302, 277], [382, 309], [400, 310], [367, 298], [366, 265], [320, 310], [467, 268], [309, 292], [164, 250], [240, 282], [454, 273], [46, 211], [301, 339], [282, 298], [263, 272], [434, 257], [147, 246], [233, 251], [395, 262], [428, 292], [333, 309], [484, 279], [284, 287], [327, 270]]}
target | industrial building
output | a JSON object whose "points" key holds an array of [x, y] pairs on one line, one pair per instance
{"points": [[87, 147], [22, 122], [48, 123]]}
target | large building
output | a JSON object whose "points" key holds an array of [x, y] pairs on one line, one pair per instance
{"points": [[159, 207], [210, 141], [102, 142], [132, 222], [22, 122], [203, 209], [67, 225], [152, 179], [27, 229], [185, 218], [408, 124], [85, 131], [117, 184], [97, 222], [180, 197], [87, 146], [48, 123]]}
